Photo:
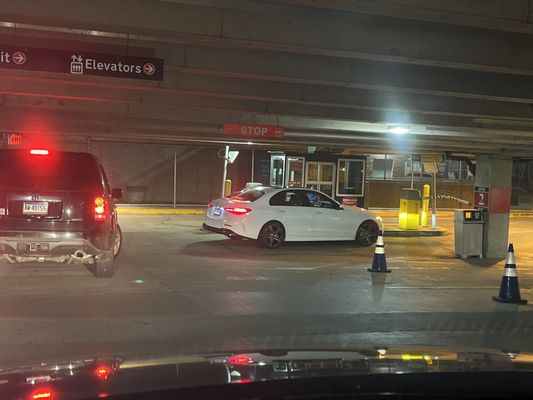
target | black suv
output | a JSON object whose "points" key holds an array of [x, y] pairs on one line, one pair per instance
{"points": [[57, 206]]}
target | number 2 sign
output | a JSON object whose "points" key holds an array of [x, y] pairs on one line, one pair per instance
{"points": [[481, 197]]}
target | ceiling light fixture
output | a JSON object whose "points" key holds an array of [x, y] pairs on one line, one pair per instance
{"points": [[398, 129]]}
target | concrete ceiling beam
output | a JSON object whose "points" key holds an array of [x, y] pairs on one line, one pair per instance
{"points": [[350, 36]]}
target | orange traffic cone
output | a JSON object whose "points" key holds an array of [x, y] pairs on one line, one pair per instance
{"points": [[379, 263], [509, 290]]}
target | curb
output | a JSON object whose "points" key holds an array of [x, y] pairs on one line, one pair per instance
{"points": [[414, 233], [201, 211], [391, 214], [521, 214], [160, 211]]}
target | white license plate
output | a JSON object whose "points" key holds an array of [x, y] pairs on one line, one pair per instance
{"points": [[40, 208], [217, 211]]}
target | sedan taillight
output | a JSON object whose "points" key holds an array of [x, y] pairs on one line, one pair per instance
{"points": [[238, 210]]}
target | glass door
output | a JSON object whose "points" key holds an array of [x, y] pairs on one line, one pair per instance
{"points": [[277, 170], [295, 172], [320, 176]]}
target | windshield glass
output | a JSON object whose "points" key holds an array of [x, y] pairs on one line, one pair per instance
{"points": [[248, 195], [54, 171]]}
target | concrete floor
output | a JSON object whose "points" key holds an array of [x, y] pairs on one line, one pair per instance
{"points": [[179, 289]]}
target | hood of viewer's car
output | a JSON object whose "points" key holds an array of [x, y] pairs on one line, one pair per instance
{"points": [[106, 376]]}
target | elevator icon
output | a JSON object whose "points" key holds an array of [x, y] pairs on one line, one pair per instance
{"points": [[76, 64]]}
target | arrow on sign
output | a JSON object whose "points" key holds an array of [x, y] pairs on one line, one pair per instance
{"points": [[19, 58], [149, 69]]}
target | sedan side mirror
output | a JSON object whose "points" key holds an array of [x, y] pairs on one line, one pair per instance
{"points": [[116, 193]]}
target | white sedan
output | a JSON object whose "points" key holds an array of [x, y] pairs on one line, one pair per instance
{"points": [[272, 216]]}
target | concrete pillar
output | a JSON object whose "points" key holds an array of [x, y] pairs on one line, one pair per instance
{"points": [[495, 172]]}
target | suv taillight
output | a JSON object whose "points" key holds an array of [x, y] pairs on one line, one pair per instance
{"points": [[39, 152], [100, 209]]}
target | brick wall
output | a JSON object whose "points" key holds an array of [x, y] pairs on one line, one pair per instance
{"points": [[386, 194]]}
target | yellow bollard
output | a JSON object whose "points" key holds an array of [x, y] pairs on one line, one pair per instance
{"points": [[425, 206], [227, 188]]}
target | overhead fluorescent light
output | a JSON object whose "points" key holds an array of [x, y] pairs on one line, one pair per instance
{"points": [[398, 129]]}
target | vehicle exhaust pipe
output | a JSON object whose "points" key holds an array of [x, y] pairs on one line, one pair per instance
{"points": [[81, 255]]}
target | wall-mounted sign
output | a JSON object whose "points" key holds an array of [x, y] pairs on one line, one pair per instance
{"points": [[258, 131], [481, 196], [13, 139], [349, 201], [80, 63], [437, 157]]}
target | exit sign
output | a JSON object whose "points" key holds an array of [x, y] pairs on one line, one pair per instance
{"points": [[13, 139]]}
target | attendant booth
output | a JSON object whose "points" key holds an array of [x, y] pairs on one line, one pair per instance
{"points": [[339, 176]]}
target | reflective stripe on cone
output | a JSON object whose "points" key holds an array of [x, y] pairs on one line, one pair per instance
{"points": [[510, 272]]}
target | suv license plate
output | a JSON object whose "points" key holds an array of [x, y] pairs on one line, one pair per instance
{"points": [[40, 208], [217, 211]]}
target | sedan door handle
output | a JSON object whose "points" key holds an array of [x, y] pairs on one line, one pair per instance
{"points": [[319, 212], [282, 211]]}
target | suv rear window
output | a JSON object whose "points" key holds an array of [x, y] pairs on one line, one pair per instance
{"points": [[248, 195], [56, 171]]}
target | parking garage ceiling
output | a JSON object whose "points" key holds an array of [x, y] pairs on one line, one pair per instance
{"points": [[335, 74]]}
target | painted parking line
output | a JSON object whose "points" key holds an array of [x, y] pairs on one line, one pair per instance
{"points": [[341, 265], [442, 287], [249, 278]]}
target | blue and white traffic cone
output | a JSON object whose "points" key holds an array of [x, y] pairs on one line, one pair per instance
{"points": [[509, 290], [379, 263]]}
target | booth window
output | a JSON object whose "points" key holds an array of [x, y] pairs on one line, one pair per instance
{"points": [[400, 167], [320, 176], [350, 177], [382, 167]]}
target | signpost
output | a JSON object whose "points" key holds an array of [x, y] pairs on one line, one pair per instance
{"points": [[258, 131], [430, 164], [77, 62]]}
